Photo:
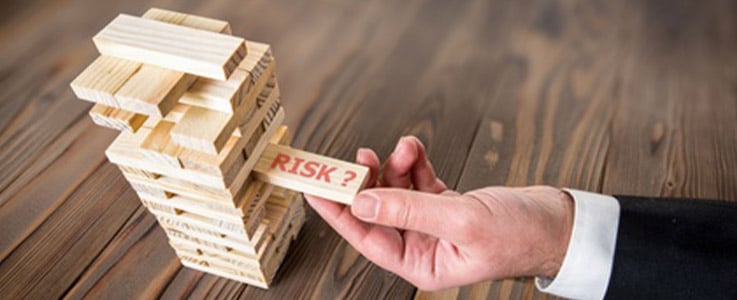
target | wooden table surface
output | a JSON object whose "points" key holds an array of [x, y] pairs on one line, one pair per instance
{"points": [[623, 97]]}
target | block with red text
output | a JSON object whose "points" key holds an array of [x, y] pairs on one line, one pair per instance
{"points": [[310, 173]]}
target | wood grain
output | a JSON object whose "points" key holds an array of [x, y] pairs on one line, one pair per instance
{"points": [[625, 97], [197, 52]]}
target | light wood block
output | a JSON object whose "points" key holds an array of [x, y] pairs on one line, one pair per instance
{"points": [[198, 190], [222, 240], [139, 172], [188, 50], [251, 206], [206, 130], [158, 147], [226, 95], [192, 21], [153, 91], [230, 274], [285, 217], [311, 173], [145, 191], [203, 130], [102, 78], [116, 118], [125, 152], [244, 172], [221, 163]]}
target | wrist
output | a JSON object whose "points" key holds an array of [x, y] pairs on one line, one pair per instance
{"points": [[562, 214]]}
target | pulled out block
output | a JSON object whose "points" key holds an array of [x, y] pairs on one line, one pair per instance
{"points": [[310, 173]]}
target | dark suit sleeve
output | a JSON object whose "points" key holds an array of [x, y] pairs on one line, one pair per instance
{"points": [[675, 249]]}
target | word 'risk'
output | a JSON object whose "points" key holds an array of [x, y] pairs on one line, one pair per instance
{"points": [[309, 168]]}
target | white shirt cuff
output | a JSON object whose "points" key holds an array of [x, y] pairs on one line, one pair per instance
{"points": [[587, 266]]}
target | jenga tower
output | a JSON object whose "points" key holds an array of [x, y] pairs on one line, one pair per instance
{"points": [[196, 108]]}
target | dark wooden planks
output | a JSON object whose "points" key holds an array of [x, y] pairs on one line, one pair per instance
{"points": [[674, 133], [633, 97], [47, 263], [63, 166]]}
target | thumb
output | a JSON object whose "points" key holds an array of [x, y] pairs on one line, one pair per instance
{"points": [[441, 216]]}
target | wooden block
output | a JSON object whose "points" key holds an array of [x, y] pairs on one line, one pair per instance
{"points": [[185, 243], [244, 172], [185, 188], [145, 191], [203, 130], [158, 147], [233, 255], [192, 21], [139, 172], [281, 136], [222, 240], [226, 226], [251, 269], [221, 163], [311, 173], [116, 118], [158, 207], [153, 91], [242, 222], [102, 78], [230, 274], [285, 221], [188, 50], [271, 265], [210, 235], [229, 158], [206, 130], [125, 151], [209, 208], [227, 95]]}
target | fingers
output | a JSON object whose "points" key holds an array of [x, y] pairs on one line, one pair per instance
{"points": [[423, 175], [409, 166], [368, 157], [399, 164], [441, 216], [382, 245]]}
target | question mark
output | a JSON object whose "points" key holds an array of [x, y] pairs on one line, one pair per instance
{"points": [[351, 176]]}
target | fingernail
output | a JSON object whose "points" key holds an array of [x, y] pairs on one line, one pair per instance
{"points": [[359, 153], [400, 145], [365, 206]]}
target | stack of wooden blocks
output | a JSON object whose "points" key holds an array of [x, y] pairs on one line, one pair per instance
{"points": [[197, 108]]}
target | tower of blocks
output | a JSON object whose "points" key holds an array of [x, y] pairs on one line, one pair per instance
{"points": [[202, 141]]}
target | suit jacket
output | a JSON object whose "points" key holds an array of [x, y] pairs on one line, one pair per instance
{"points": [[675, 249]]}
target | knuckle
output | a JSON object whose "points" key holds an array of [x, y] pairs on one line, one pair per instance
{"points": [[467, 227], [403, 214], [468, 224]]}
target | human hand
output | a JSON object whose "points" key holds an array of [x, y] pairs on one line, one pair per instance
{"points": [[436, 238]]}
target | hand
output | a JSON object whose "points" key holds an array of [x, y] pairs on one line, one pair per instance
{"points": [[436, 238]]}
